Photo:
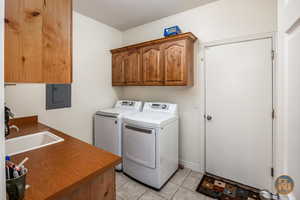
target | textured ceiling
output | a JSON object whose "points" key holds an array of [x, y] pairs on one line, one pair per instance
{"points": [[125, 14]]}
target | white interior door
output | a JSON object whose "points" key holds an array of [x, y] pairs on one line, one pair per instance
{"points": [[239, 112]]}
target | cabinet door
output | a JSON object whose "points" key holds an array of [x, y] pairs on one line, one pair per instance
{"points": [[133, 68], [38, 41], [153, 70], [118, 69], [57, 41], [23, 41], [98, 187], [175, 63]]}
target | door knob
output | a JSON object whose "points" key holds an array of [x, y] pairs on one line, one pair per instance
{"points": [[208, 117]]}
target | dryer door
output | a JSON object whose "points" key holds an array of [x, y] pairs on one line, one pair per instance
{"points": [[139, 145]]}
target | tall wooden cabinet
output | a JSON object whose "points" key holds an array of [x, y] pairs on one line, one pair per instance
{"points": [[163, 62], [38, 41]]}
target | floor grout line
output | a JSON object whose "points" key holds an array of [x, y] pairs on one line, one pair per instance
{"points": [[142, 194], [158, 195], [174, 193]]}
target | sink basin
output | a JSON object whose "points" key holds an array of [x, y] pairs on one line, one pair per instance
{"points": [[30, 142]]}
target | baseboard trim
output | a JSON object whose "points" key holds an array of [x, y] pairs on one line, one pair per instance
{"points": [[191, 165]]}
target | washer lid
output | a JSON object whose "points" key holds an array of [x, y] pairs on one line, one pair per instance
{"points": [[115, 112], [150, 119]]}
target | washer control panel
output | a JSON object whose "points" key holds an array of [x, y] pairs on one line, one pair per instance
{"points": [[129, 104]]}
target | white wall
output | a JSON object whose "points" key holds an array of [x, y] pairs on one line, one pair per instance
{"points": [[91, 88], [289, 63], [282, 95], [2, 155], [216, 21]]}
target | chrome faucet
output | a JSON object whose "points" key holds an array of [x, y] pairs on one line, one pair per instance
{"points": [[9, 115], [267, 195], [14, 127]]}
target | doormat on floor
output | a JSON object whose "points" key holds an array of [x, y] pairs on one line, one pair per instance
{"points": [[221, 189]]}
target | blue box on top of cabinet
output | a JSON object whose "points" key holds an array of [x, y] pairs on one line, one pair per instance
{"points": [[174, 30]]}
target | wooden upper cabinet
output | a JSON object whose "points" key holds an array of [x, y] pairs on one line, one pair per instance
{"points": [[166, 62], [38, 41], [118, 77], [57, 41], [175, 63], [133, 67], [23, 41], [153, 71]]}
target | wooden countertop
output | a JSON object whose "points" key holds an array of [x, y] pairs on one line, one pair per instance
{"points": [[59, 168]]}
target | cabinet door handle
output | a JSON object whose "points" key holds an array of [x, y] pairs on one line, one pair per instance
{"points": [[45, 3]]}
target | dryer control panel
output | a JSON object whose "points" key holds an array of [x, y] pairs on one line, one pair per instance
{"points": [[160, 107]]}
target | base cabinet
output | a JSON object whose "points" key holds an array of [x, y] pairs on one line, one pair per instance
{"points": [[164, 62], [101, 187]]}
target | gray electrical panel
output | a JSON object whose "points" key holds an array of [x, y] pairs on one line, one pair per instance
{"points": [[58, 96]]}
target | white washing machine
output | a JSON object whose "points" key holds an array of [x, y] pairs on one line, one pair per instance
{"points": [[108, 126], [150, 144]]}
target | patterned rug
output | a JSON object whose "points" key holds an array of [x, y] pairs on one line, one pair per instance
{"points": [[221, 189]]}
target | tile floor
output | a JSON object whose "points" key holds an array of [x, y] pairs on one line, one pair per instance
{"points": [[181, 187]]}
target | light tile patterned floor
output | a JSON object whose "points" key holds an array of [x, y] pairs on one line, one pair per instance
{"points": [[181, 187]]}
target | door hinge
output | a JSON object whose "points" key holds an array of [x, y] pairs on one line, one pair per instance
{"points": [[273, 114], [272, 171], [273, 54]]}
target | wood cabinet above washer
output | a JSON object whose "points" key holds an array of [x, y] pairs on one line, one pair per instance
{"points": [[163, 62]]}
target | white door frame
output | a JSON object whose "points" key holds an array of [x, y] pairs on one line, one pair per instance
{"points": [[202, 72], [2, 138]]}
